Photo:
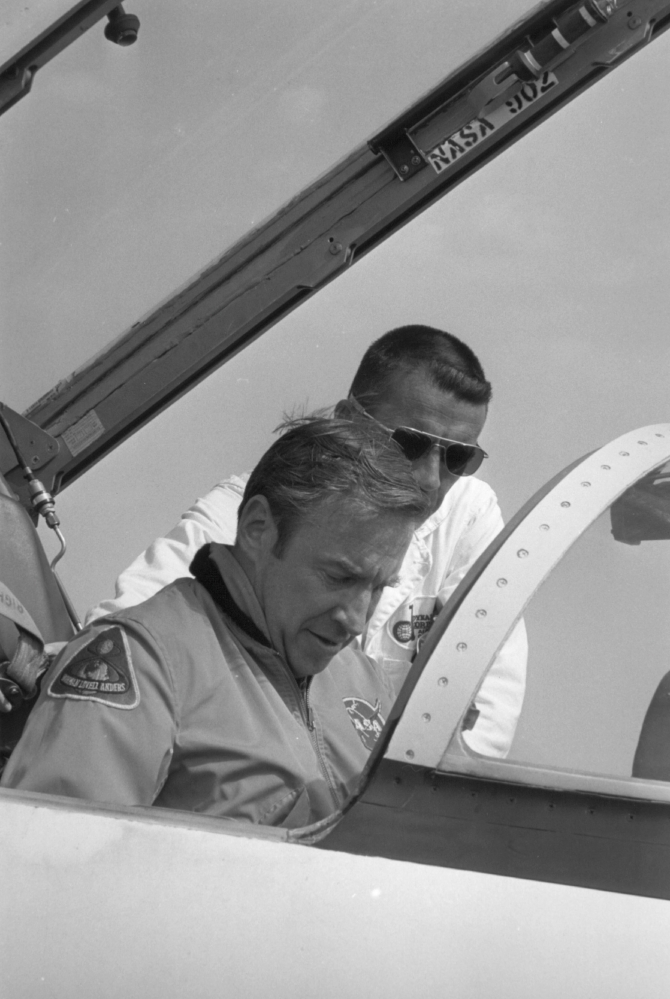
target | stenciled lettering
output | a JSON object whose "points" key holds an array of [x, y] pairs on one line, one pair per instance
{"points": [[547, 81], [485, 126], [469, 135], [530, 92], [454, 146], [440, 158]]}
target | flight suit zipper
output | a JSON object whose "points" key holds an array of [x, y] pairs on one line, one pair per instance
{"points": [[311, 728], [209, 575], [301, 691]]}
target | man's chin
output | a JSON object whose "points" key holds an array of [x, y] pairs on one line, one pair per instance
{"points": [[301, 670], [315, 657]]}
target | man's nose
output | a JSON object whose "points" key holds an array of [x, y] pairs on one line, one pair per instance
{"points": [[355, 613], [426, 471]]}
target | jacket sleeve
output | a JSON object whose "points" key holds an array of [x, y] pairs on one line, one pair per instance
{"points": [[500, 697], [104, 724], [211, 518]]}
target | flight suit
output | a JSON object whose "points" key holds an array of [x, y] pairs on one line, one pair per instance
{"points": [[179, 704]]}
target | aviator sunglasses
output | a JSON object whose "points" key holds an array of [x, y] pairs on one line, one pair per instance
{"points": [[458, 458]]}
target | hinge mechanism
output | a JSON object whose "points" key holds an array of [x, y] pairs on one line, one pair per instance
{"points": [[401, 153]]}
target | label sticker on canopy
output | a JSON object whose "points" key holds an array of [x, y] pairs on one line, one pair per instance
{"points": [[101, 671], [84, 432], [470, 135]]}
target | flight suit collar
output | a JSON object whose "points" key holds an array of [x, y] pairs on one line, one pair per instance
{"points": [[216, 567]]}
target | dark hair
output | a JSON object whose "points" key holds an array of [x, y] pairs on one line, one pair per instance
{"points": [[317, 458], [449, 362]]}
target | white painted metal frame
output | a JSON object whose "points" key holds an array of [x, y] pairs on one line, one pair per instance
{"points": [[497, 599]]}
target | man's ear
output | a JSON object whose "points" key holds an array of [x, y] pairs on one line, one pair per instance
{"points": [[256, 529]]}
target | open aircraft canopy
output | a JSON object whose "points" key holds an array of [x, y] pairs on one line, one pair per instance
{"points": [[266, 152], [493, 93]]}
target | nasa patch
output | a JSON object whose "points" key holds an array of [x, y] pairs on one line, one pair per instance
{"points": [[101, 671], [366, 719]]}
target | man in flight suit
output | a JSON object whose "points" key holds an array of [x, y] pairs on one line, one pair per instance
{"points": [[238, 693], [426, 380]]}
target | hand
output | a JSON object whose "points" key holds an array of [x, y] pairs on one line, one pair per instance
{"points": [[10, 695]]}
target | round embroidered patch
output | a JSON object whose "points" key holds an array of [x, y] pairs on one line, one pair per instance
{"points": [[402, 631]]}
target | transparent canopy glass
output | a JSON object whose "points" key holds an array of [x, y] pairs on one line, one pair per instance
{"points": [[125, 171], [599, 639]]}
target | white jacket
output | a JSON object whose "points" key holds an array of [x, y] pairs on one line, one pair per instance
{"points": [[440, 554]]}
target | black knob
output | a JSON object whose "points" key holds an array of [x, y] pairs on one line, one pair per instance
{"points": [[122, 28]]}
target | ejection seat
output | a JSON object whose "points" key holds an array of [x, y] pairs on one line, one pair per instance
{"points": [[30, 601]]}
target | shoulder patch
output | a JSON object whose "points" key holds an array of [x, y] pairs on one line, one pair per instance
{"points": [[101, 671], [366, 719]]}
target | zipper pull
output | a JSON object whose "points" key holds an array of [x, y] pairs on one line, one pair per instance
{"points": [[303, 683]]}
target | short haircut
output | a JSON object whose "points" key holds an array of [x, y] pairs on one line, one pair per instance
{"points": [[317, 459], [449, 363]]}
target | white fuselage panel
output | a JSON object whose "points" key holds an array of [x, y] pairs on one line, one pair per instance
{"points": [[113, 906]]}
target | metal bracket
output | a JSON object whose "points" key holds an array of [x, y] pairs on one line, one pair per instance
{"points": [[402, 154], [15, 83], [17, 72], [37, 446], [496, 87]]}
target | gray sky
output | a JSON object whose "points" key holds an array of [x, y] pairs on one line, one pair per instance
{"points": [[125, 171]]}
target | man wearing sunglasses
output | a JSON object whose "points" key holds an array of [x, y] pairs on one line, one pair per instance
{"points": [[428, 390]]}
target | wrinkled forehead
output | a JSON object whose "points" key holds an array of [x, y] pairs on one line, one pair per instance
{"points": [[348, 527]]}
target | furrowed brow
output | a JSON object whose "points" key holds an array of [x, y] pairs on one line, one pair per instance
{"points": [[344, 565]]}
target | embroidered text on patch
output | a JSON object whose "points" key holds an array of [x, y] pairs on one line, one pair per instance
{"points": [[101, 671], [366, 719]]}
